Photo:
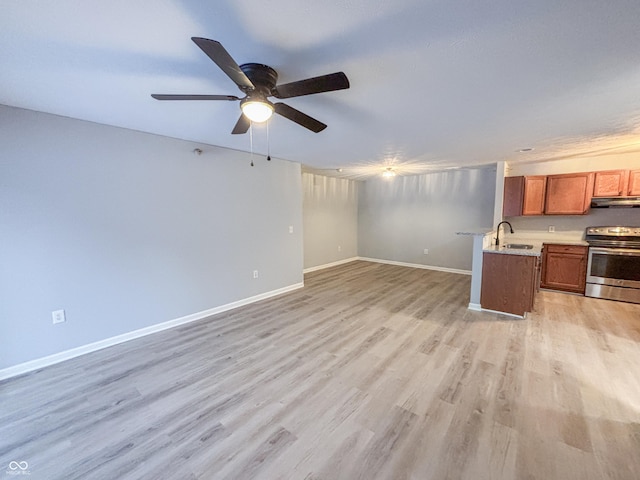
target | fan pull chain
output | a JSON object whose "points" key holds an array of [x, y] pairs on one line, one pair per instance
{"points": [[251, 140], [268, 144]]}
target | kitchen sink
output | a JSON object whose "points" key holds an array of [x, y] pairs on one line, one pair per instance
{"points": [[520, 246]]}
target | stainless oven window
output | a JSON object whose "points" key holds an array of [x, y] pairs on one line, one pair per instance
{"points": [[620, 267]]}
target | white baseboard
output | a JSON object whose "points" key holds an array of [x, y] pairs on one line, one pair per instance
{"points": [[108, 342], [476, 307], [505, 313], [332, 264], [416, 265]]}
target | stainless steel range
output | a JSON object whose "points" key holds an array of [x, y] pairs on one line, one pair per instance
{"points": [[613, 268]]}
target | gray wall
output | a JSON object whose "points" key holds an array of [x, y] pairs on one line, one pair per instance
{"points": [[330, 218], [124, 230], [399, 217]]}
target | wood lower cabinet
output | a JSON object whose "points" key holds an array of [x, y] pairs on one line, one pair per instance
{"points": [[508, 282], [569, 194], [564, 267]]}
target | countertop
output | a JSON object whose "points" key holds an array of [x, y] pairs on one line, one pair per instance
{"points": [[535, 251], [475, 232], [582, 243]]}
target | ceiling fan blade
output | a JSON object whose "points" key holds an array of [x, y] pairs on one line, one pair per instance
{"points": [[242, 125], [216, 52], [299, 117], [158, 96], [324, 83]]}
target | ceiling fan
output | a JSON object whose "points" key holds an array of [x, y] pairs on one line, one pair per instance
{"points": [[258, 82]]}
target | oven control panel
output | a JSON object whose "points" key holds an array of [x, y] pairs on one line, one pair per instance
{"points": [[614, 231]]}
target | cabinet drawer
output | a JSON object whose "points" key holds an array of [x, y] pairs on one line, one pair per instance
{"points": [[557, 248]]}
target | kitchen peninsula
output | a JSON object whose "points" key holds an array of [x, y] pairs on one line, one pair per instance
{"points": [[509, 279], [504, 279], [496, 283]]}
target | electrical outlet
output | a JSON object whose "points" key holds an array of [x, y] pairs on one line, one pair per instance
{"points": [[255, 274], [339, 248], [58, 316], [552, 229], [426, 251], [290, 228]]}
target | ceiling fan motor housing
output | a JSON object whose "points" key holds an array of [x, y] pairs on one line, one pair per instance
{"points": [[263, 77]]}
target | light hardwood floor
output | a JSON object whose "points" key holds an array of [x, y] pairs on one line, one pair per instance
{"points": [[370, 372]]}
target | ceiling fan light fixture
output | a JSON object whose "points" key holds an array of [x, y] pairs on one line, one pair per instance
{"points": [[388, 172], [256, 110]]}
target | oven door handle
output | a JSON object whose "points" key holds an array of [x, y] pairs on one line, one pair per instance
{"points": [[616, 251]]}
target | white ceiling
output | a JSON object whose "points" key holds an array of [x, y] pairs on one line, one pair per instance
{"points": [[434, 83]]}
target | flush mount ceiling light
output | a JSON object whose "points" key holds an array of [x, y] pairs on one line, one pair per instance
{"points": [[388, 172], [257, 110]]}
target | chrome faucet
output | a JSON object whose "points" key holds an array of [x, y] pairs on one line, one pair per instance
{"points": [[498, 232]]}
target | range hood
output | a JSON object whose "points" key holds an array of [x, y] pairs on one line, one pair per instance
{"points": [[612, 202]]}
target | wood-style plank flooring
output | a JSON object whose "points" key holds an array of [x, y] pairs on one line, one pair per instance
{"points": [[370, 371]]}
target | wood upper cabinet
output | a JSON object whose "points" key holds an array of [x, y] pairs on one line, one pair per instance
{"points": [[508, 282], [513, 195], [617, 183], [634, 183], [534, 195], [523, 196], [564, 267], [611, 183], [569, 194]]}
